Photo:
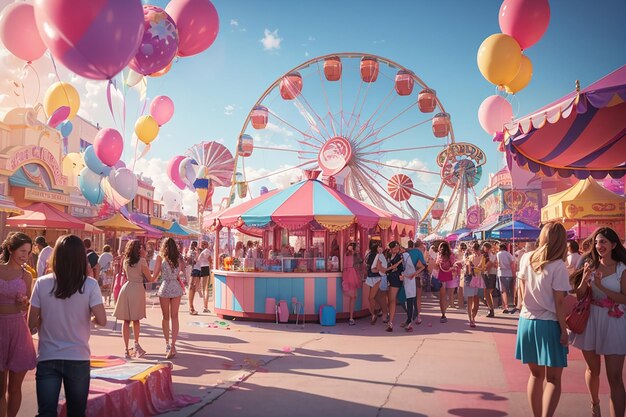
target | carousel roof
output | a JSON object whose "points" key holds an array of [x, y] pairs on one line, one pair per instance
{"points": [[581, 134], [307, 202]]}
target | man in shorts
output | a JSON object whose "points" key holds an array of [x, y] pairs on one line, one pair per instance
{"points": [[489, 276]]}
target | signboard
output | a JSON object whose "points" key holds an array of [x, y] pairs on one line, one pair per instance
{"points": [[34, 194], [38, 155], [334, 155]]}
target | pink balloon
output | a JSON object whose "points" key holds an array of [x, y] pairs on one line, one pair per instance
{"points": [[159, 43], [173, 168], [18, 32], [197, 22], [493, 113], [108, 145], [119, 164], [162, 109], [525, 20], [95, 39], [60, 114]]}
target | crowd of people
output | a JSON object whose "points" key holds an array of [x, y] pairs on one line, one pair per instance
{"points": [[35, 297]]}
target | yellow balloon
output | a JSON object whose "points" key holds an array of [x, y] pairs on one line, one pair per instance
{"points": [[146, 129], [499, 58], [522, 78], [72, 164], [61, 94]]}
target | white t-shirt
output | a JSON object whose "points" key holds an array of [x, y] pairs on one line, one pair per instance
{"points": [[42, 260], [539, 297], [65, 323], [523, 264], [105, 261], [505, 259], [203, 258], [493, 269], [572, 261]]}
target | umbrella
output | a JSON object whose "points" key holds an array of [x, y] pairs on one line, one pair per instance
{"points": [[8, 206], [118, 223], [454, 236], [581, 134], [175, 230]]}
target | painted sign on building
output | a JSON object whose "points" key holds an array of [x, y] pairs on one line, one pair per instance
{"points": [[38, 155]]}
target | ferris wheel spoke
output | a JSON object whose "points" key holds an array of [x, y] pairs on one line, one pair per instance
{"points": [[356, 101], [358, 117], [307, 135], [384, 125], [394, 134], [369, 123], [302, 104], [332, 126], [299, 151], [401, 149], [423, 171], [282, 170]]}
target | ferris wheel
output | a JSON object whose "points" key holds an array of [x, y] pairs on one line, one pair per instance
{"points": [[370, 125]]}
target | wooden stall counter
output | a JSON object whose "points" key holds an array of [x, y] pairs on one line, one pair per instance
{"points": [[251, 295]]}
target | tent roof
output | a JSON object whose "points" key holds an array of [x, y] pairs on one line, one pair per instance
{"points": [[582, 134], [42, 215], [118, 223], [586, 190]]}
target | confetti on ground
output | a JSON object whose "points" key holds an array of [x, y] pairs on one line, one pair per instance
{"points": [[287, 349]]}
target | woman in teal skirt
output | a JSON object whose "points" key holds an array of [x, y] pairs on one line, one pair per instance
{"points": [[541, 334]]}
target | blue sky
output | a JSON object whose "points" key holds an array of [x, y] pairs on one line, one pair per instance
{"points": [[438, 40]]}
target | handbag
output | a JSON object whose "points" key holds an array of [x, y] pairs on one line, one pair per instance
{"points": [[576, 320], [477, 282]]}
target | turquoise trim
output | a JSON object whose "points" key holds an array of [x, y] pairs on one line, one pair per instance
{"points": [[321, 293], [218, 290]]}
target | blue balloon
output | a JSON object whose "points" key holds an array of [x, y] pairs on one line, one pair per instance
{"points": [[95, 164], [264, 190], [89, 184], [65, 128]]}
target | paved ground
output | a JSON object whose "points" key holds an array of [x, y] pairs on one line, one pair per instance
{"points": [[262, 369]]}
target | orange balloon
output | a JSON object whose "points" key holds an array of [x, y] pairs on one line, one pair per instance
{"points": [[163, 71], [522, 78], [499, 58]]}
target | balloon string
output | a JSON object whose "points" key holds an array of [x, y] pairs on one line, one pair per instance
{"points": [[110, 102], [25, 69]]}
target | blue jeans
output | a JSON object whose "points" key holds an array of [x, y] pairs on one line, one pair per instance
{"points": [[75, 377]]}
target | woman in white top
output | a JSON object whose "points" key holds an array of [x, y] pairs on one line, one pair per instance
{"points": [[605, 332], [573, 256], [541, 333], [61, 307]]}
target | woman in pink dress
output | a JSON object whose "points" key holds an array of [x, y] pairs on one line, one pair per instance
{"points": [[17, 352], [351, 280]]}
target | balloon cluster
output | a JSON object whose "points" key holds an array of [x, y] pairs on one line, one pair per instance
{"points": [[501, 60], [97, 40]]}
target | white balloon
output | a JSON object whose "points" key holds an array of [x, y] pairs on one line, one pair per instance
{"points": [[188, 172], [124, 182]]}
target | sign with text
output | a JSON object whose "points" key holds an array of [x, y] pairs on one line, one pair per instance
{"points": [[37, 155], [34, 194]]}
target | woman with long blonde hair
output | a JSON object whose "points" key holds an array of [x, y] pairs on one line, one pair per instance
{"points": [[541, 334]]}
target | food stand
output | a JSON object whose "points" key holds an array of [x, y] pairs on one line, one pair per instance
{"points": [[304, 230]]}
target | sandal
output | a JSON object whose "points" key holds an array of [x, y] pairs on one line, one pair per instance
{"points": [[373, 319], [389, 328], [409, 329], [351, 322], [139, 352], [193, 312], [595, 410], [206, 310], [127, 355], [472, 324], [171, 353], [419, 320]]}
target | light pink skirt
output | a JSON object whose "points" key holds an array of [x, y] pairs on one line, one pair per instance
{"points": [[17, 352]]}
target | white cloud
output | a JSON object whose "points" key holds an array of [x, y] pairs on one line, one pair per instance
{"points": [[228, 110], [306, 53], [415, 164], [234, 23], [282, 131], [311, 38], [378, 41], [271, 40]]}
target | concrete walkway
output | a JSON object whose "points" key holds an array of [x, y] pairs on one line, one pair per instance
{"points": [[242, 368]]}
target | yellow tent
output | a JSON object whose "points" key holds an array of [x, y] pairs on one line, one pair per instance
{"points": [[118, 223], [585, 201]]}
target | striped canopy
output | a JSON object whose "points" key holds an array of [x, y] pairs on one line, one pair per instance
{"points": [[308, 202], [582, 134]]}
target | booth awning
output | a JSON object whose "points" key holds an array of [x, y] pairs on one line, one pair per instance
{"points": [[7, 205], [515, 229], [45, 216], [581, 134], [307, 202]]}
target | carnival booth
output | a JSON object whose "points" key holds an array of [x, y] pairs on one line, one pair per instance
{"points": [[304, 230], [586, 206]]}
